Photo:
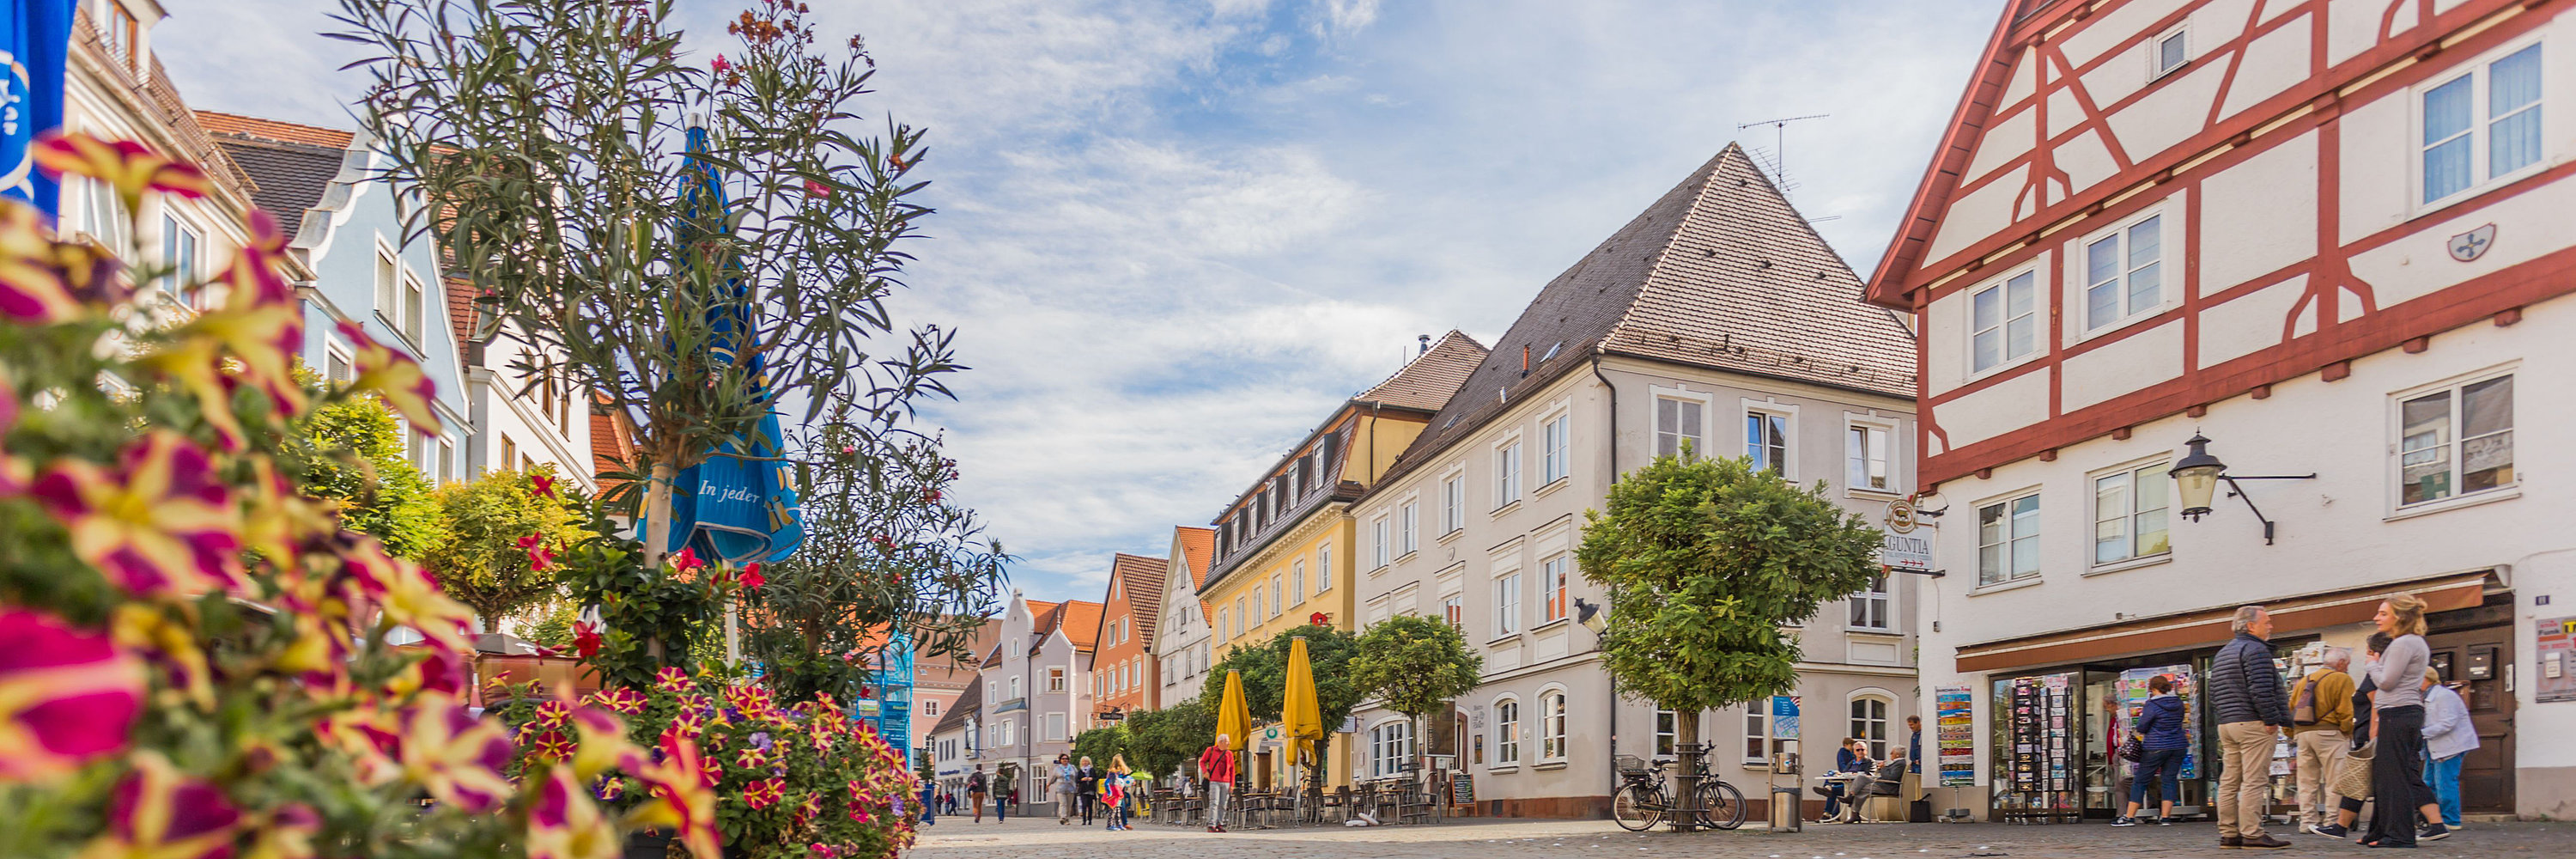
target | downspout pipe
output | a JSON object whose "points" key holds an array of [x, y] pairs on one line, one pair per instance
{"points": [[1605, 600]]}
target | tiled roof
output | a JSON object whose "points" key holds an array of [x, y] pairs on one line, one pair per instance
{"points": [[1426, 382], [290, 164], [1197, 546], [968, 702], [1080, 620], [461, 312], [236, 125], [1720, 272], [612, 444], [1143, 591]]}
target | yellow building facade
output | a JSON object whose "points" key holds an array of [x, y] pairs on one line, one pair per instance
{"points": [[1285, 549]]}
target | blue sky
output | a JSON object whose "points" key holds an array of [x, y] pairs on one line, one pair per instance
{"points": [[1174, 235]]}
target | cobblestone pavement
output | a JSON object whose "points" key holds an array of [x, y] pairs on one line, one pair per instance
{"points": [[1026, 838]]}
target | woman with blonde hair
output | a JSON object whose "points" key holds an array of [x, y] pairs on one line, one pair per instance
{"points": [[2397, 709], [1116, 787]]}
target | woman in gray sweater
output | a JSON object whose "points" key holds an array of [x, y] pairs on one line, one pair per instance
{"points": [[2397, 767]]}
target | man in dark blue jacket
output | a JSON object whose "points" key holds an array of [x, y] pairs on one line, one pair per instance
{"points": [[2251, 705]]}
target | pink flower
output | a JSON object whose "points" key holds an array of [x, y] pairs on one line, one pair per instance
{"points": [[722, 65], [686, 560], [396, 377], [679, 784], [457, 758], [620, 699], [538, 556], [163, 523], [763, 793], [543, 484], [67, 696], [751, 577], [33, 285], [563, 822], [406, 594], [124, 165], [815, 188], [586, 641], [671, 679], [158, 811]]}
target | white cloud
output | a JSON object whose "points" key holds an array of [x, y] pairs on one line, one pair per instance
{"points": [[1175, 235]]}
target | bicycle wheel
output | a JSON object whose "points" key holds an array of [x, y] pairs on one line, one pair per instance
{"points": [[1721, 806], [1637, 807]]}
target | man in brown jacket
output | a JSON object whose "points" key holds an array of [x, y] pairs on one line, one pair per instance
{"points": [[2320, 721]]}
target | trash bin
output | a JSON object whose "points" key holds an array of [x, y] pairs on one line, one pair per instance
{"points": [[1784, 810]]}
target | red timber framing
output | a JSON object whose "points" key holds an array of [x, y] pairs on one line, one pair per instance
{"points": [[2347, 321]]}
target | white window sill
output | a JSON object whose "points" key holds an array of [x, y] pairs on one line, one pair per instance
{"points": [[2130, 564], [2013, 585], [1452, 534], [1506, 510], [1873, 632], [1552, 486], [2487, 496], [1505, 640], [2116, 325], [1974, 375], [1378, 569], [1872, 494], [1550, 626], [1407, 556], [1553, 765], [1504, 768]]}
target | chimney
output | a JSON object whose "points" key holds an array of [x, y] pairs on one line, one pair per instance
{"points": [[1425, 340], [1524, 360]]}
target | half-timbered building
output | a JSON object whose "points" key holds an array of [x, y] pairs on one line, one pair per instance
{"points": [[2330, 238]]}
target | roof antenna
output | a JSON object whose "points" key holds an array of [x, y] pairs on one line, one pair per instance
{"points": [[1780, 155]]}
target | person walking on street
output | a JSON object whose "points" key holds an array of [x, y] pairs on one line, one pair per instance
{"points": [[2449, 735], [1086, 781], [2348, 807], [2397, 768], [975, 784], [2320, 719], [2159, 728], [1216, 767], [2252, 708], [1115, 787], [1065, 796]]}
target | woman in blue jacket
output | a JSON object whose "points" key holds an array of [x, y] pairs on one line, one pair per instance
{"points": [[2160, 723]]}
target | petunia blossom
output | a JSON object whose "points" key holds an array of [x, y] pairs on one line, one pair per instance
{"points": [[682, 798], [161, 524], [67, 696], [158, 811], [33, 288], [395, 377], [564, 823], [763, 793], [405, 593], [125, 165], [457, 758]]}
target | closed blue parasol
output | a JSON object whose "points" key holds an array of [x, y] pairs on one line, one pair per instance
{"points": [[34, 34]]}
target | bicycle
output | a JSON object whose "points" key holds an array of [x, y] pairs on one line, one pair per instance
{"points": [[1642, 800]]}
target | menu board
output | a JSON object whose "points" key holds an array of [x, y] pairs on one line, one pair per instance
{"points": [[2041, 760], [1955, 723], [2557, 651], [2133, 701]]}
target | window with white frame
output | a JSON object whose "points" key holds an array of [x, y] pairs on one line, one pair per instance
{"points": [[1507, 732], [930, 707], [1555, 575], [2124, 272], [2008, 540], [1055, 727], [1260, 609], [2168, 52], [412, 308], [1667, 730], [1390, 746], [1552, 453], [1225, 622], [1242, 619], [2457, 440], [388, 286], [1378, 543], [2481, 125], [1869, 723], [1869, 607], [1679, 426], [1507, 604], [179, 250], [1297, 581], [1010, 731], [1758, 744], [2003, 322], [1453, 503], [1766, 440], [1278, 595], [2129, 508], [1507, 474], [1551, 726], [1865, 449], [1324, 568], [1412, 531], [1055, 679]]}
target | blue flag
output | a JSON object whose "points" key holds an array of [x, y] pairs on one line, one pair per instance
{"points": [[33, 36], [739, 505]]}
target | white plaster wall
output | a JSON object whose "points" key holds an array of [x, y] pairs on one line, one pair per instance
{"points": [[1976, 215], [2334, 532], [2127, 364], [2064, 110], [2108, 28], [2352, 26], [2259, 215], [2273, 62], [2176, 110], [2002, 140], [2215, 23], [2086, 160], [2008, 405], [2252, 321], [2025, 77], [2375, 163], [2528, 225], [1946, 328]]}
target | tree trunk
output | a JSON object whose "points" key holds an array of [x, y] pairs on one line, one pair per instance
{"points": [[657, 513], [1686, 809]]}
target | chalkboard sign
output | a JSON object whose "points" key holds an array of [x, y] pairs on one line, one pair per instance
{"points": [[1462, 789]]}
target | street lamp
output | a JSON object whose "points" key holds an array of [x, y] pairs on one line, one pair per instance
{"points": [[1591, 616], [2197, 475]]}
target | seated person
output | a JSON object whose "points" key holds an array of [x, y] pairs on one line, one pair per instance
{"points": [[1853, 757]]}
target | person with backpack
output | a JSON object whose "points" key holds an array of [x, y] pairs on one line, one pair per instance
{"points": [[2159, 730], [2320, 722], [975, 785]]}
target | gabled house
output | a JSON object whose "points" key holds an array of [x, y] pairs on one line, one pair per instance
{"points": [[1122, 679], [1037, 692], [1715, 323], [953, 740], [1180, 644], [2318, 242]]}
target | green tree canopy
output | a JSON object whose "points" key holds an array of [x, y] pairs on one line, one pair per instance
{"points": [[353, 455], [478, 559], [1159, 742], [1414, 664], [1265, 675], [1705, 561], [1099, 744]]}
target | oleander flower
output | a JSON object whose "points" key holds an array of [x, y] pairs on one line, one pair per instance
{"points": [[67, 696], [124, 165], [586, 641], [396, 377], [162, 524], [564, 823], [157, 812]]}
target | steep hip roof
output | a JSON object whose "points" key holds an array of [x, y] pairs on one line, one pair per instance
{"points": [[967, 703], [1143, 593], [1426, 382], [1720, 272]]}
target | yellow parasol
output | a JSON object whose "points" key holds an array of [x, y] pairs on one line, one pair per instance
{"points": [[1233, 716], [1298, 714]]}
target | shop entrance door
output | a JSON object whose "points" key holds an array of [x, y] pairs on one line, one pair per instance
{"points": [[2482, 658]]}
